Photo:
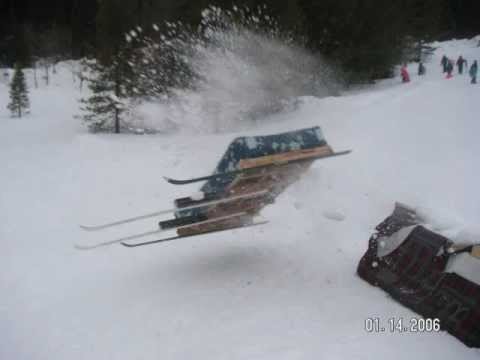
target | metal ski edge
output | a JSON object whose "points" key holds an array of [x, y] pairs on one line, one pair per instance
{"points": [[153, 232], [169, 211], [236, 172], [186, 236]]}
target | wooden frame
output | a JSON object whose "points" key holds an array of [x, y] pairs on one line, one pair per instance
{"points": [[285, 157]]}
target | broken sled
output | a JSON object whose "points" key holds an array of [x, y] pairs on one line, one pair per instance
{"points": [[426, 272], [251, 174]]}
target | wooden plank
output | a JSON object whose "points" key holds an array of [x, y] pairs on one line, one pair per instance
{"points": [[476, 251], [215, 225], [285, 157]]}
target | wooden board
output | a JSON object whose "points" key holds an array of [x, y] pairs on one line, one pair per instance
{"points": [[215, 226], [283, 158]]}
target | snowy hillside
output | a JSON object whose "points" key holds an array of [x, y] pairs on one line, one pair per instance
{"points": [[286, 290]]}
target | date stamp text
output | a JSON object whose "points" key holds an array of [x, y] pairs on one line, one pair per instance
{"points": [[400, 325]]}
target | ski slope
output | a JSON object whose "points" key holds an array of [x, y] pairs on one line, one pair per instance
{"points": [[286, 290]]}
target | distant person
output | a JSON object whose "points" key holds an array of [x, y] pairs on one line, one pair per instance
{"points": [[421, 69], [473, 72], [461, 62], [449, 68], [404, 74], [444, 63]]}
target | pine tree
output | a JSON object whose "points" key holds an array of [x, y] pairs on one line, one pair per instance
{"points": [[104, 107], [19, 102]]}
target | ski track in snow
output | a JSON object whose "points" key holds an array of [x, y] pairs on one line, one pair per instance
{"points": [[287, 290]]}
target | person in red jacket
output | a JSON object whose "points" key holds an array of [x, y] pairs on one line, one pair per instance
{"points": [[404, 73]]}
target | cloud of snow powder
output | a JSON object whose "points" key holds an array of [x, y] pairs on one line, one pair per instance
{"points": [[245, 69]]}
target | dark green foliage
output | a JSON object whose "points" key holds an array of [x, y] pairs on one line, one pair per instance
{"points": [[367, 38], [48, 47], [424, 24], [103, 109], [114, 19], [96, 26], [159, 62], [111, 23], [21, 46], [462, 18], [53, 43], [19, 102]]}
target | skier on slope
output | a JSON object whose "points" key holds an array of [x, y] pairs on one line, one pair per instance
{"points": [[449, 68], [473, 72], [404, 73], [421, 69], [444, 63], [460, 63]]}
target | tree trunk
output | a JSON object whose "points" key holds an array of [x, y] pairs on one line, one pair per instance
{"points": [[117, 122], [35, 81], [46, 75], [117, 94]]}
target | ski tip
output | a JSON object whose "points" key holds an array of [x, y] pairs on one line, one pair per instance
{"points": [[88, 228], [172, 181], [83, 247], [128, 245], [89, 247], [177, 182]]}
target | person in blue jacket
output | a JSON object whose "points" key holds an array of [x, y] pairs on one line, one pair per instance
{"points": [[473, 72]]}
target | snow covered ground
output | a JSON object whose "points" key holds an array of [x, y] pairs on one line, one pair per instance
{"points": [[287, 290]]}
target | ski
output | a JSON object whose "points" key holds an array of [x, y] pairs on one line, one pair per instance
{"points": [[153, 232], [191, 235], [115, 241], [250, 170], [473, 250], [169, 211]]}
